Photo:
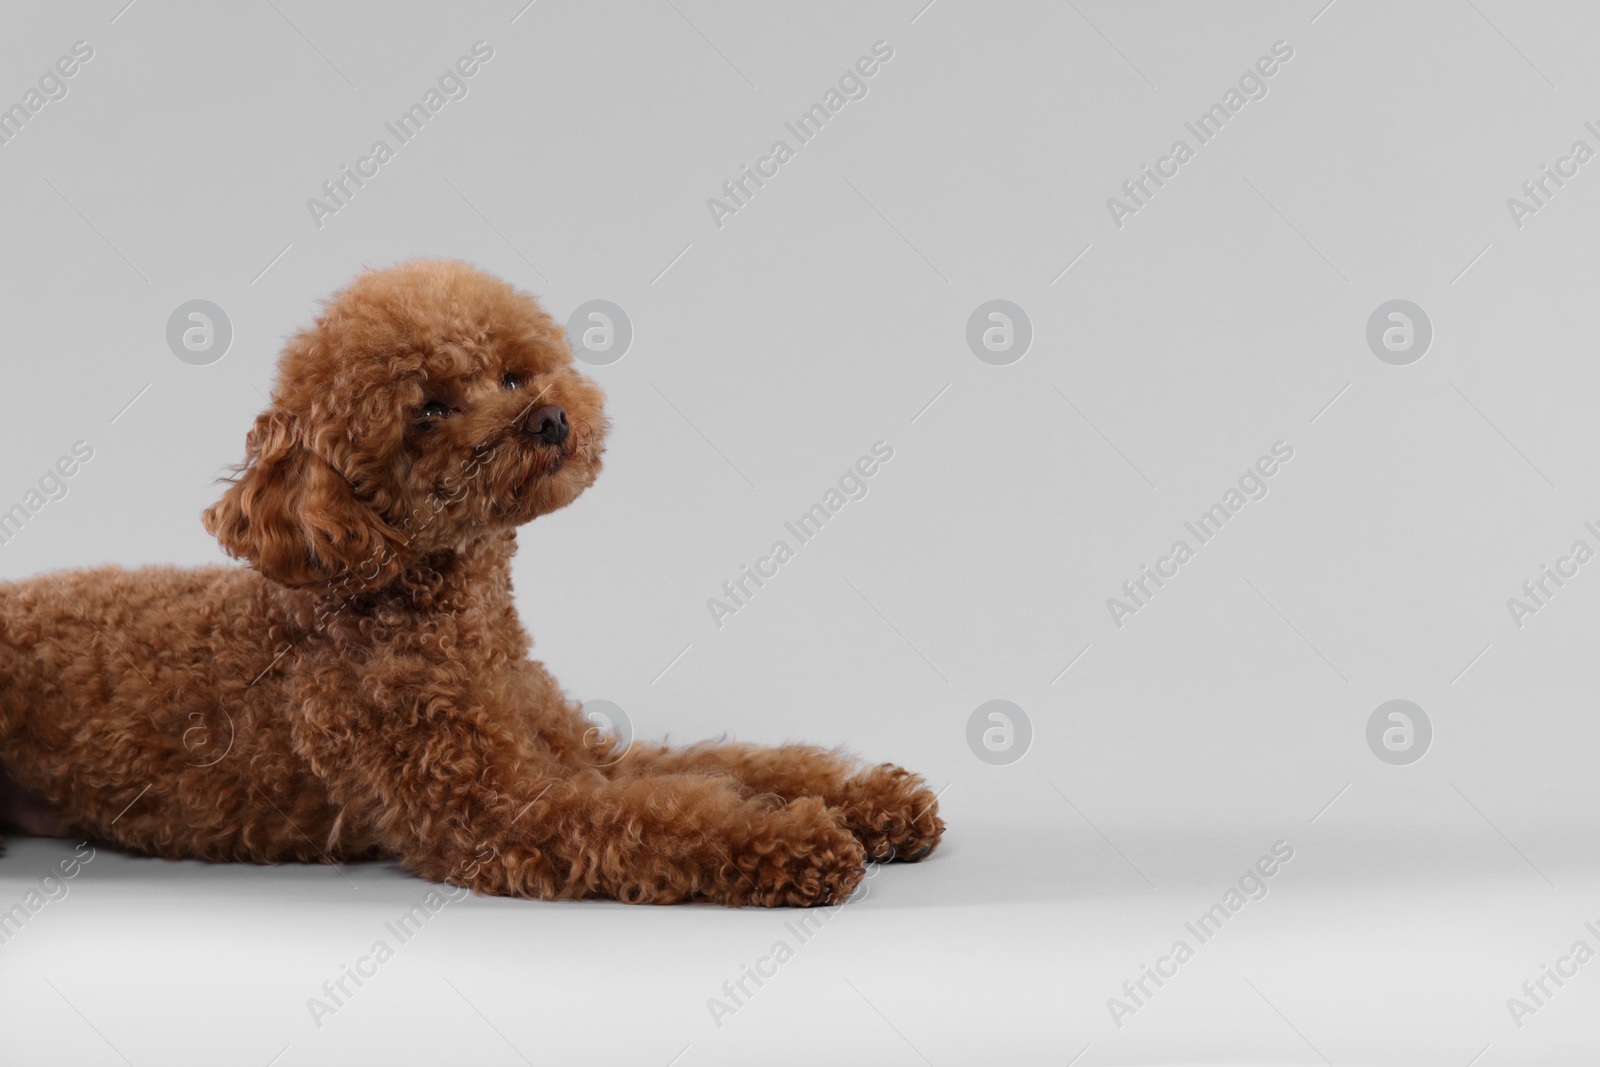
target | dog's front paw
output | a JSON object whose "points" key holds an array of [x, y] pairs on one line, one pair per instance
{"points": [[801, 855], [893, 813]]}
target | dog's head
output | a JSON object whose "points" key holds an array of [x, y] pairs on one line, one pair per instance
{"points": [[429, 405]]}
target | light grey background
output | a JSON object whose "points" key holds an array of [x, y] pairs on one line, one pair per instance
{"points": [[769, 354]]}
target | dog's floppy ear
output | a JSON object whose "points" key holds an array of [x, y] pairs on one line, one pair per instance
{"points": [[297, 518]]}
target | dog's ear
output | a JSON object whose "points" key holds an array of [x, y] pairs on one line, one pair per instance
{"points": [[293, 515]]}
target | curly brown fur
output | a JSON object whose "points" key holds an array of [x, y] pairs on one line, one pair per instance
{"points": [[363, 687]]}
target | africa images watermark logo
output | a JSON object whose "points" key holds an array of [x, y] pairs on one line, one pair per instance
{"points": [[1537, 192], [452, 85], [1252, 485], [199, 332], [52, 85], [52, 486], [999, 732], [999, 332], [738, 591], [852, 85], [737, 992], [1399, 332], [599, 332], [51, 888], [1565, 969], [1251, 886], [337, 991], [1399, 732], [1538, 591], [1252, 85]]}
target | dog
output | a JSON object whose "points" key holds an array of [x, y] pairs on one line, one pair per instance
{"points": [[361, 688]]}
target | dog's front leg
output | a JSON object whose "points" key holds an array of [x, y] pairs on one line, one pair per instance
{"points": [[459, 799], [889, 809]]}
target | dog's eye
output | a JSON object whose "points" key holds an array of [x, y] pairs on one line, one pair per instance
{"points": [[434, 409], [509, 380]]}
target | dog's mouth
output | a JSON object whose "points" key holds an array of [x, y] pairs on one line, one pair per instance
{"points": [[543, 462], [546, 459], [527, 477], [541, 471]]}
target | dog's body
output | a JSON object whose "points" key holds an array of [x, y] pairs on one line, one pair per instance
{"points": [[364, 690]]}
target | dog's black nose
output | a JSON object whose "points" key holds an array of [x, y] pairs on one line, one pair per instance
{"points": [[548, 424]]}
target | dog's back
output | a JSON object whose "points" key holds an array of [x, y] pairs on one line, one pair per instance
{"points": [[75, 644], [116, 683]]}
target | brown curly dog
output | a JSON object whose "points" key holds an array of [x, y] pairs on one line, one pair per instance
{"points": [[363, 688]]}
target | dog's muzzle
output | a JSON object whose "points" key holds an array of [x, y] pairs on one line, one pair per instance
{"points": [[547, 424]]}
